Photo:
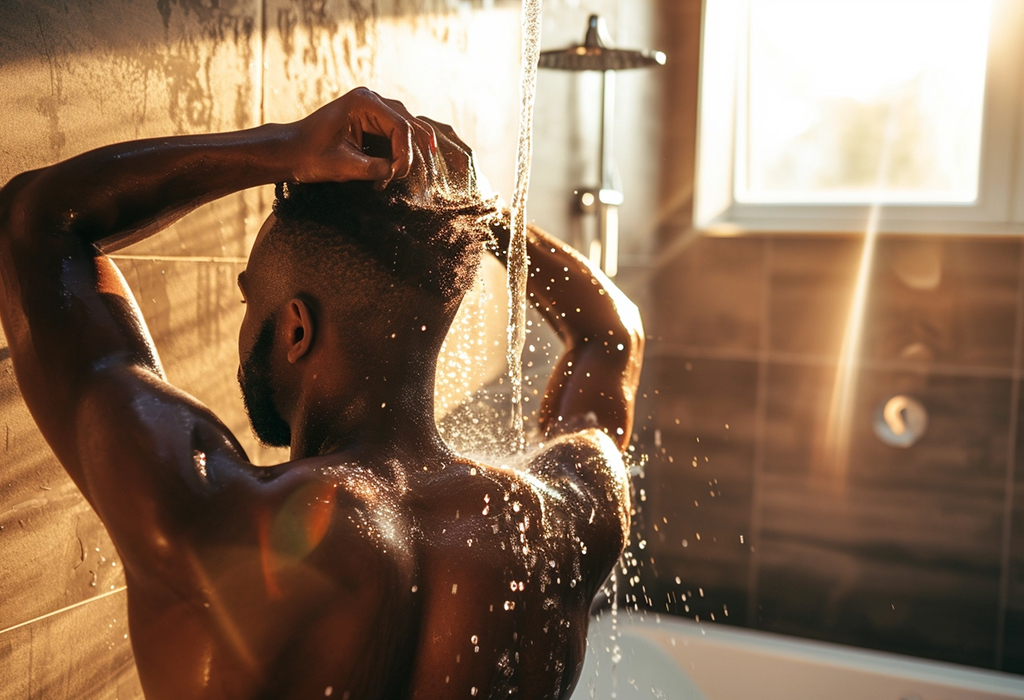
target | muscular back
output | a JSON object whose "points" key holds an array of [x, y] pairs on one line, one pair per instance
{"points": [[450, 579]]}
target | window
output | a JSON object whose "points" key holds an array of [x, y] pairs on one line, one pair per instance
{"points": [[815, 111]]}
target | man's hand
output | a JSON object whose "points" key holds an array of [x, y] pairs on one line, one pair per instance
{"points": [[329, 141]]}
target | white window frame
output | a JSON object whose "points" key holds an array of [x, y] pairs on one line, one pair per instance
{"points": [[998, 209]]}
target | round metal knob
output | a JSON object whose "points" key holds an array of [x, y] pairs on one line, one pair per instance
{"points": [[901, 421]]}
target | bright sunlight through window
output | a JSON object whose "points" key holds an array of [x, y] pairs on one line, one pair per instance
{"points": [[862, 101]]}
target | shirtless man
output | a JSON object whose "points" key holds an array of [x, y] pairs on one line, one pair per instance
{"points": [[377, 563]]}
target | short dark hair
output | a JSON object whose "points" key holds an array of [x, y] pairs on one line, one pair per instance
{"points": [[435, 250]]}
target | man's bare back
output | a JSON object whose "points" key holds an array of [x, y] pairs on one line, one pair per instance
{"points": [[377, 563]]}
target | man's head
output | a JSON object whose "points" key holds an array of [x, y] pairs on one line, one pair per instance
{"points": [[354, 285]]}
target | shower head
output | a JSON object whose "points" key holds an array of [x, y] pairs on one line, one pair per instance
{"points": [[596, 54]]}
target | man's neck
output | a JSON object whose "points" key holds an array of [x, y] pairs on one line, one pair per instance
{"points": [[376, 424]]}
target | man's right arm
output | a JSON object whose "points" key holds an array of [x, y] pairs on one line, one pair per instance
{"points": [[594, 384]]}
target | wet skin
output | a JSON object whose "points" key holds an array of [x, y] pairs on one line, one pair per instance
{"points": [[376, 563]]}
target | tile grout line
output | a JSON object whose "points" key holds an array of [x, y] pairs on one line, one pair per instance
{"points": [[670, 350], [1011, 466], [181, 259], [760, 420], [79, 604]]}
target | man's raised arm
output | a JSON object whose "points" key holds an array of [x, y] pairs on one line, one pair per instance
{"points": [[83, 357], [594, 384]]}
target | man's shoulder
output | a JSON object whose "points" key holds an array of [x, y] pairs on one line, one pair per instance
{"points": [[589, 457], [582, 481]]}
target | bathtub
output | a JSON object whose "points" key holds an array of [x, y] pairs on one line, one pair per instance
{"points": [[678, 659]]}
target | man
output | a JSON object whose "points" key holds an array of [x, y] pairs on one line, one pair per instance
{"points": [[376, 563]]}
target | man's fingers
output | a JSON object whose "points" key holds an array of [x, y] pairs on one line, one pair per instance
{"points": [[449, 132], [422, 131], [380, 118], [456, 154], [356, 165]]}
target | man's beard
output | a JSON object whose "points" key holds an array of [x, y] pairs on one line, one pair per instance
{"points": [[258, 396]]}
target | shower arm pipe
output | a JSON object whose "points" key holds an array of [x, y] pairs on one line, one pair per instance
{"points": [[609, 198], [607, 126]]}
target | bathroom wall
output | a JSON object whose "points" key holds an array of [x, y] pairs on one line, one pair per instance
{"points": [[748, 520], [74, 76]]}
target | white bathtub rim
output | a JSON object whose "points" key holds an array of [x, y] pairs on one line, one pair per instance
{"points": [[824, 654]]}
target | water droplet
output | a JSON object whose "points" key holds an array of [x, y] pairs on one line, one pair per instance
{"points": [[455, 588], [473, 691], [328, 691]]}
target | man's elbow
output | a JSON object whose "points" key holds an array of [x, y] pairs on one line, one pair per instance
{"points": [[631, 332], [14, 202]]}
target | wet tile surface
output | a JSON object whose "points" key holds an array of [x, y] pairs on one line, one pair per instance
{"points": [[944, 301], [78, 654], [1013, 649], [900, 549], [55, 551], [710, 295], [84, 75], [812, 283]]}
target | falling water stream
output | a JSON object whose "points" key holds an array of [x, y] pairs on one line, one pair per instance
{"points": [[518, 262]]}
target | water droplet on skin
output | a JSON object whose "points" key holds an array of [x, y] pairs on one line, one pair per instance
{"points": [[199, 458], [455, 588], [328, 691], [473, 691]]}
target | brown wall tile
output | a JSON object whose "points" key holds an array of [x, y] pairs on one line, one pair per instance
{"points": [[812, 283], [916, 530], [710, 295], [77, 654], [950, 301]]}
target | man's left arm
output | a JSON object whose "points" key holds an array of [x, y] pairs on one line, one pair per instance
{"points": [[84, 360]]}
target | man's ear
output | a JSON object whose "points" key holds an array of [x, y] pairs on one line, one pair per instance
{"points": [[300, 324]]}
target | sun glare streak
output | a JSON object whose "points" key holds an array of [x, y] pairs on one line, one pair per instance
{"points": [[836, 443]]}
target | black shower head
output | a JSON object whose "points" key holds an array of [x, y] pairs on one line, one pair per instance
{"points": [[596, 54]]}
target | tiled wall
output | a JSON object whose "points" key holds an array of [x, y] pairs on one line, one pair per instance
{"points": [[74, 76], [914, 550]]}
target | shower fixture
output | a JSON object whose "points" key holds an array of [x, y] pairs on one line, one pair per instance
{"points": [[597, 54]]}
